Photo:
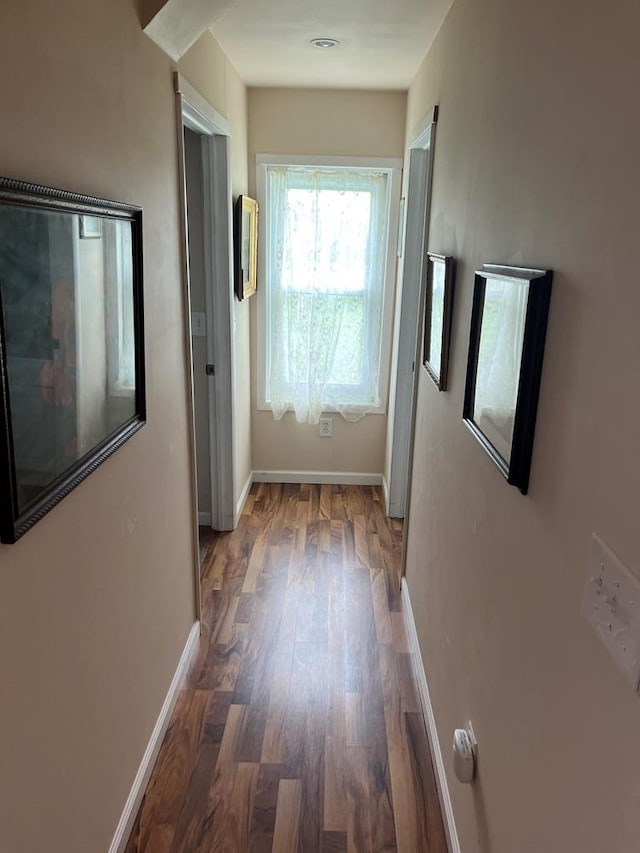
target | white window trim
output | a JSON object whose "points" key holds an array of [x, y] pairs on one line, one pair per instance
{"points": [[115, 308], [392, 165]]}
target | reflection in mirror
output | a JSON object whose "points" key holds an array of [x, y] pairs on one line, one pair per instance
{"points": [[499, 359], [68, 313], [439, 286], [437, 314]]}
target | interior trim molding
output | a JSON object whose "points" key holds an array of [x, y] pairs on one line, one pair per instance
{"points": [[430, 721], [409, 316], [243, 496], [420, 133], [326, 160], [199, 114], [385, 492], [337, 478], [127, 819]]}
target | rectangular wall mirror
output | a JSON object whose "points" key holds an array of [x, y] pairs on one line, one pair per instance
{"points": [[506, 347], [72, 348], [437, 317]]}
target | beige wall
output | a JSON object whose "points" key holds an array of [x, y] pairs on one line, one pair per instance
{"points": [[286, 445], [330, 123], [205, 66], [208, 69], [337, 123], [96, 601], [536, 162], [237, 114]]}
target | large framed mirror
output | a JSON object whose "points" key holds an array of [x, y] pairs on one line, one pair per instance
{"points": [[506, 348], [72, 381]]}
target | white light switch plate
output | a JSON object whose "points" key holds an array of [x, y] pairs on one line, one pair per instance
{"points": [[611, 605], [198, 324]]}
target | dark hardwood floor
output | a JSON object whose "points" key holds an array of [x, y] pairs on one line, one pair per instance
{"points": [[299, 726]]}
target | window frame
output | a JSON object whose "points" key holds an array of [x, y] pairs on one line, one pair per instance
{"points": [[116, 311], [393, 167]]}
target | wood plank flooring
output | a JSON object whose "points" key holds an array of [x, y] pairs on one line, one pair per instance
{"points": [[299, 726]]}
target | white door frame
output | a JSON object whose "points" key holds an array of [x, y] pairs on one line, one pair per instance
{"points": [[195, 113], [411, 314]]}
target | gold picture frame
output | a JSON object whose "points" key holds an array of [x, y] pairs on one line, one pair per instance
{"points": [[246, 246]]}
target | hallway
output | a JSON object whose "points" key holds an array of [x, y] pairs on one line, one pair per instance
{"points": [[299, 726]]}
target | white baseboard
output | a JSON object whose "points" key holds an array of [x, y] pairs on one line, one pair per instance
{"points": [[430, 720], [204, 519], [130, 811], [242, 498], [385, 492], [339, 478]]}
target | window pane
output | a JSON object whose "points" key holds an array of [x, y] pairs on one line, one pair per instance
{"points": [[325, 252], [327, 234], [351, 350], [339, 340], [326, 238]]}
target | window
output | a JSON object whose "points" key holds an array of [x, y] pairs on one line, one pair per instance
{"points": [[327, 286], [119, 307]]}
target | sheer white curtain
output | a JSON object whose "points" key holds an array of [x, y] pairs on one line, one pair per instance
{"points": [[327, 235]]}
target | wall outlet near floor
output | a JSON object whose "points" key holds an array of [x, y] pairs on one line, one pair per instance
{"points": [[611, 605], [326, 427]]}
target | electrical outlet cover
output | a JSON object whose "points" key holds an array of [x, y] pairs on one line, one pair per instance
{"points": [[611, 605], [326, 427]]}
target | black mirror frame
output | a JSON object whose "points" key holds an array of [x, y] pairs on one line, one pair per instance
{"points": [[517, 468], [438, 373], [13, 522]]}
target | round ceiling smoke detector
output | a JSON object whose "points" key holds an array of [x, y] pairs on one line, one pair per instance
{"points": [[325, 43]]}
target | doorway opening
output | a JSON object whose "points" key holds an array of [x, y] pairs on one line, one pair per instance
{"points": [[411, 318], [205, 193]]}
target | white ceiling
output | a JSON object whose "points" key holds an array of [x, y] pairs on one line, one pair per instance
{"points": [[382, 41]]}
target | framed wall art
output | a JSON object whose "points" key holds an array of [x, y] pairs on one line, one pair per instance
{"points": [[72, 384], [437, 317], [506, 348], [246, 246]]}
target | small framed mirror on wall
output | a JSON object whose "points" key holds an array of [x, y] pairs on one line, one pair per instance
{"points": [[72, 343], [437, 317]]}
